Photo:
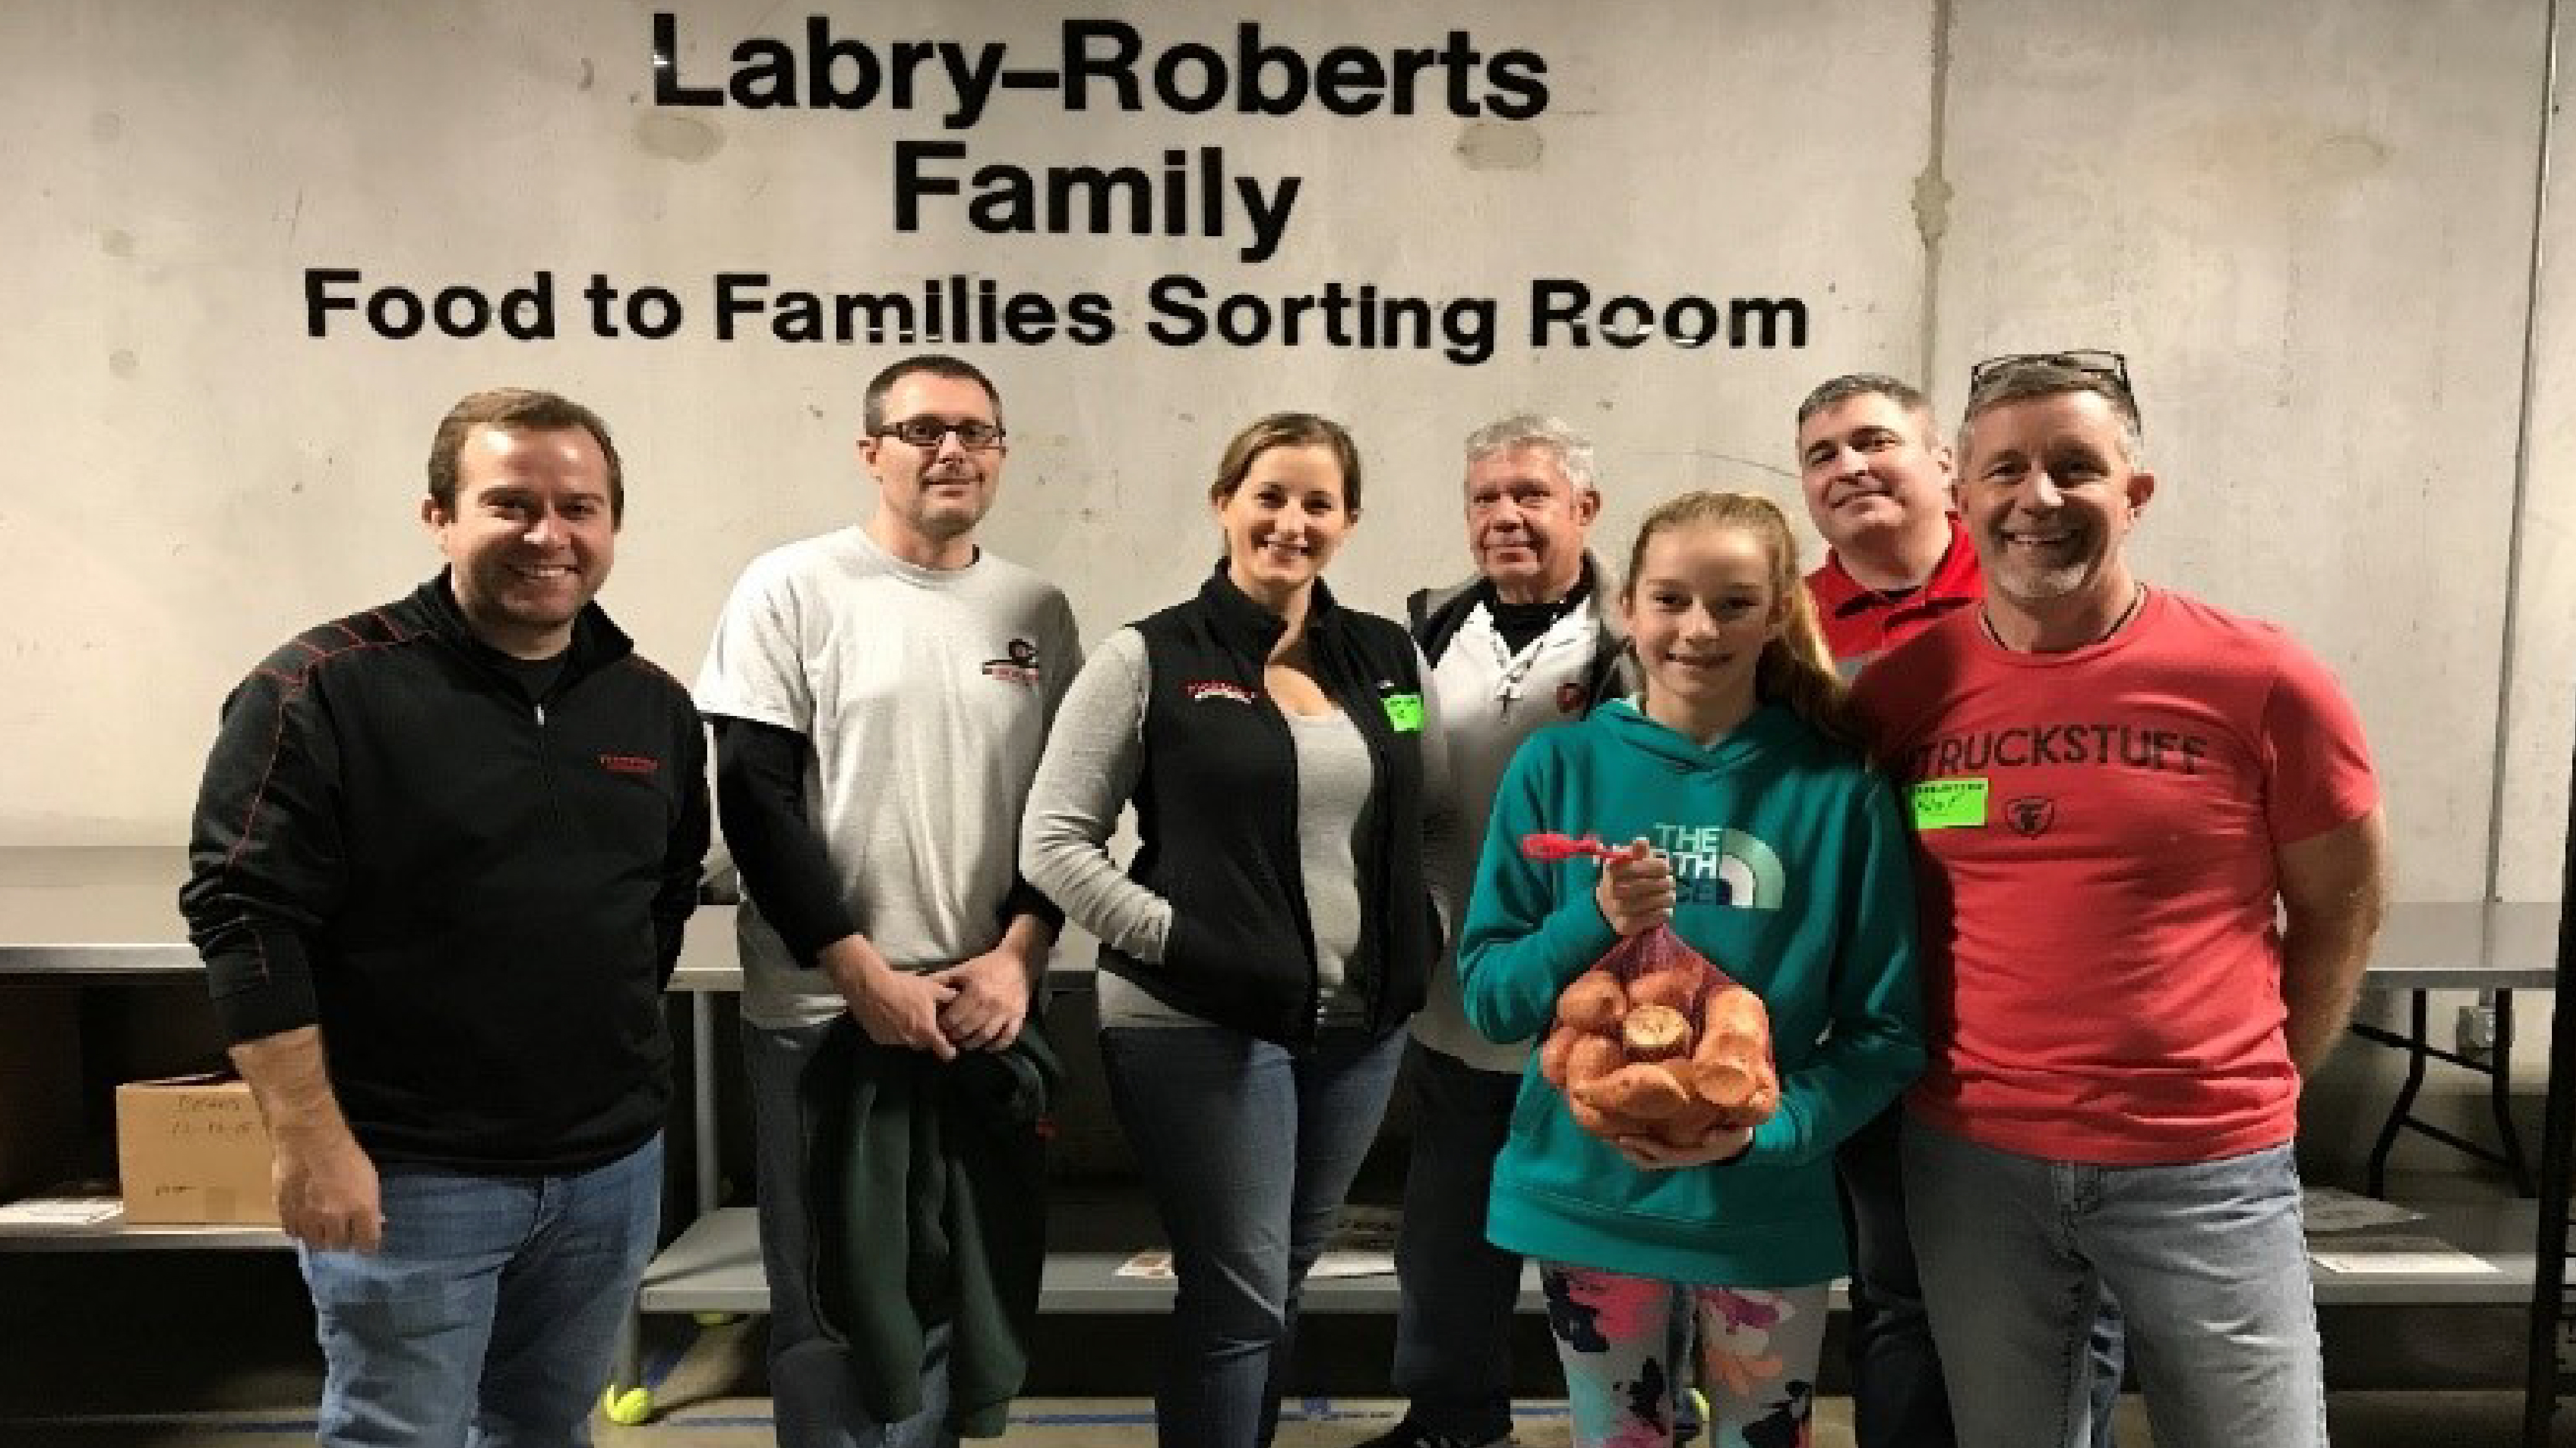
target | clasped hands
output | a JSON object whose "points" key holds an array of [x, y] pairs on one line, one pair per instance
{"points": [[978, 1004]]}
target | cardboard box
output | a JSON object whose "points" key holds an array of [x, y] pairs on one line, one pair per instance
{"points": [[192, 1149]]}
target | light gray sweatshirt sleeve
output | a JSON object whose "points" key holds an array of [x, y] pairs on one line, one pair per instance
{"points": [[1084, 781]]}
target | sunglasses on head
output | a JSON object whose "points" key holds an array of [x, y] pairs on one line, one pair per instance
{"points": [[2110, 367]]}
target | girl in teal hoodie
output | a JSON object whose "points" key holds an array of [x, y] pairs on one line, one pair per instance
{"points": [[1762, 838]]}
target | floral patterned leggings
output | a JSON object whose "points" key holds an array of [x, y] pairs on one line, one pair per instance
{"points": [[1616, 1336]]}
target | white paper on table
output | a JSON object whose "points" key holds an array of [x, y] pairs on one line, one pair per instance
{"points": [[1352, 1264], [2332, 1209], [2401, 1256], [60, 1211], [1154, 1264], [1362, 1245]]}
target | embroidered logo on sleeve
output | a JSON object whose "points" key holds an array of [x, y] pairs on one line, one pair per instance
{"points": [[1018, 664]]}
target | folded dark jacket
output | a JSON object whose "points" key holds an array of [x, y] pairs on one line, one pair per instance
{"points": [[929, 1195]]}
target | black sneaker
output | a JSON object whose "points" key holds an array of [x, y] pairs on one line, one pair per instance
{"points": [[1410, 1434]]}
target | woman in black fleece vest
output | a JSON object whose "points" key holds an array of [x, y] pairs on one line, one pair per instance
{"points": [[1262, 953]]}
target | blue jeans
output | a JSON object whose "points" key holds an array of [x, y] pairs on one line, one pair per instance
{"points": [[1248, 1148], [1897, 1397], [2208, 1258], [490, 1314], [814, 1388], [1453, 1324]]}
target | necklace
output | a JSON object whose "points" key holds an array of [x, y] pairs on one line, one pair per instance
{"points": [[1515, 667], [1519, 623], [2137, 600]]}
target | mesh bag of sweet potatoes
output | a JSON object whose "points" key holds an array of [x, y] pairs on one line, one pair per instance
{"points": [[1655, 1041]]}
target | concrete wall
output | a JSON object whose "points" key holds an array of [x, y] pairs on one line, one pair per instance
{"points": [[2535, 760], [2311, 225], [2317, 229], [197, 477]]}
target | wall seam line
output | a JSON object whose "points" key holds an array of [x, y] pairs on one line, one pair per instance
{"points": [[2532, 278], [1934, 184]]}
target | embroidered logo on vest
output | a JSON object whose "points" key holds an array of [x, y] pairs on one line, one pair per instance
{"points": [[1202, 690]]}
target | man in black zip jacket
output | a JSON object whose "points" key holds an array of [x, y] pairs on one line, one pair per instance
{"points": [[438, 873]]}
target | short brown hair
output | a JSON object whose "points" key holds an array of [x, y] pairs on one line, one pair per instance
{"points": [[1288, 429], [515, 409], [935, 364]]}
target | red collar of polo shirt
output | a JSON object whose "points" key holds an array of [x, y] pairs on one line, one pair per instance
{"points": [[1856, 617], [1954, 578]]}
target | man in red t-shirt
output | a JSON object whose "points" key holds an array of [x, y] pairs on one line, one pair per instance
{"points": [[2118, 792], [1878, 484]]}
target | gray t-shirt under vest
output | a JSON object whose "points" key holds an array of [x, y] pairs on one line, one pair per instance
{"points": [[1090, 773]]}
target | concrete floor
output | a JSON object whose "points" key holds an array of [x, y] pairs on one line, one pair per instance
{"points": [[2360, 1420], [123, 1385]]}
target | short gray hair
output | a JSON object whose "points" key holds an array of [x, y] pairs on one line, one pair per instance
{"points": [[2027, 380], [1572, 450]]}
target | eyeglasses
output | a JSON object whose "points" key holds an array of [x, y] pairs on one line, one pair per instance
{"points": [[928, 432], [2109, 367]]}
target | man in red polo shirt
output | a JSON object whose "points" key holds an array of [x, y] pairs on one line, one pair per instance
{"points": [[1877, 480]]}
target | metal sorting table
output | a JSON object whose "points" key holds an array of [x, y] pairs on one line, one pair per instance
{"points": [[103, 916], [2500, 947]]}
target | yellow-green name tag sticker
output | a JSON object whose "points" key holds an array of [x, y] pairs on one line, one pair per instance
{"points": [[1404, 711], [1948, 804]]}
